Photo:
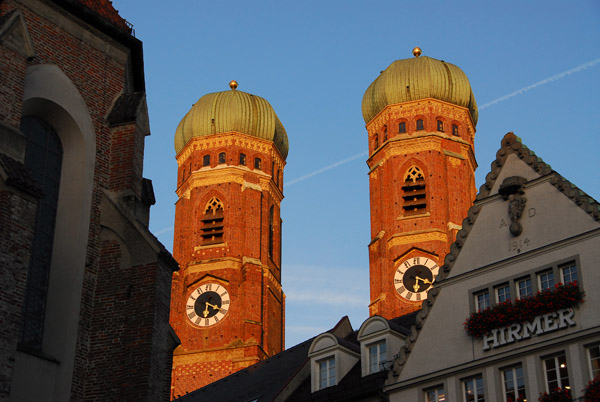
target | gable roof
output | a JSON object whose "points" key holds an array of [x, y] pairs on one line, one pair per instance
{"points": [[510, 145]]}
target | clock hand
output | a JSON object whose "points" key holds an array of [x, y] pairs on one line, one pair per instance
{"points": [[205, 312], [213, 306], [416, 286]]}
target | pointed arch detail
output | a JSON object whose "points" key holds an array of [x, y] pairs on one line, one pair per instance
{"points": [[213, 222]]}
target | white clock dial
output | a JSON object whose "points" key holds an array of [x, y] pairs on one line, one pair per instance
{"points": [[414, 277], [207, 304]]}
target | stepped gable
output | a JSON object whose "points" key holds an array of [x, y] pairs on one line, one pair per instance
{"points": [[511, 144]]}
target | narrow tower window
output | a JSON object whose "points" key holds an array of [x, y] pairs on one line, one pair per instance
{"points": [[384, 133], [454, 129], [271, 231], [212, 222], [257, 163], [402, 127], [206, 160], [243, 159], [376, 139], [419, 124], [414, 195], [221, 158], [43, 155], [440, 126]]}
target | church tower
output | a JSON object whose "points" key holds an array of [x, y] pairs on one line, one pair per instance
{"points": [[227, 305], [420, 116]]}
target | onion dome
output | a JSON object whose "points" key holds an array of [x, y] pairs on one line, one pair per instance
{"points": [[222, 112], [418, 78]]}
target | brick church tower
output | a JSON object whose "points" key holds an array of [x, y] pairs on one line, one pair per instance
{"points": [[420, 116], [227, 305]]}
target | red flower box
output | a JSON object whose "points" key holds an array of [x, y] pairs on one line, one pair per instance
{"points": [[505, 314]]}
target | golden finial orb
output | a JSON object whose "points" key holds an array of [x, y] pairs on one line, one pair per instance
{"points": [[417, 51], [233, 85]]}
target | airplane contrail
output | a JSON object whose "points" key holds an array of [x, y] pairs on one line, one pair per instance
{"points": [[326, 168], [542, 82], [484, 106]]}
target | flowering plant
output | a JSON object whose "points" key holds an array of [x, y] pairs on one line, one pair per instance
{"points": [[557, 395], [504, 314], [591, 393]]}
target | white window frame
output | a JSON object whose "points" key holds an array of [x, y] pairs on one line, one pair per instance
{"points": [[560, 369], [515, 382], [479, 307], [330, 377], [542, 283], [594, 368], [497, 292], [435, 394], [471, 392], [375, 365], [563, 267], [529, 285]]}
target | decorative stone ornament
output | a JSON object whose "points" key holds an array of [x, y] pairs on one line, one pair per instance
{"points": [[511, 189]]}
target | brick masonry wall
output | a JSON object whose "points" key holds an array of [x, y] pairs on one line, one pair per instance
{"points": [[99, 72], [17, 217]]}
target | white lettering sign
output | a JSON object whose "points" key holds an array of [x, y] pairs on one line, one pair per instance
{"points": [[520, 331]]}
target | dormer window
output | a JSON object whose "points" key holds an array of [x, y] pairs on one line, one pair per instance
{"points": [[377, 336], [331, 358], [327, 372], [420, 125], [377, 356]]}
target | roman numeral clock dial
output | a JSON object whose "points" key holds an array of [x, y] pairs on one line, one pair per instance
{"points": [[414, 277], [207, 305]]}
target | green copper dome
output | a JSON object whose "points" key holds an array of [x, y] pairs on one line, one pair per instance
{"points": [[418, 78], [233, 110]]}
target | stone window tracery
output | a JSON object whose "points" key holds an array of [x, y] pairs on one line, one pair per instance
{"points": [[414, 195], [213, 222]]}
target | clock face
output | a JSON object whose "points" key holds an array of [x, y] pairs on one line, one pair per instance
{"points": [[207, 305], [414, 277]]}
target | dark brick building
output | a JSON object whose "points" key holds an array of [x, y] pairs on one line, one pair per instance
{"points": [[84, 305]]}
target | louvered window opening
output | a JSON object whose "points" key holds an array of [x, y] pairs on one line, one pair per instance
{"points": [[213, 223], [414, 195]]}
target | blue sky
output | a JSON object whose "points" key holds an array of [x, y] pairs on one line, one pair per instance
{"points": [[534, 68]]}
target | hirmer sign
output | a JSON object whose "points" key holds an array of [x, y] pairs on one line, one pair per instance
{"points": [[520, 331]]}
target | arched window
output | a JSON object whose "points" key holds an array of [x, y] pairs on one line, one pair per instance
{"points": [[420, 125], [257, 163], [414, 195], [376, 140], [402, 127], [206, 160], [222, 158], [43, 155], [271, 231], [243, 159], [213, 222], [440, 126], [454, 129]]}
